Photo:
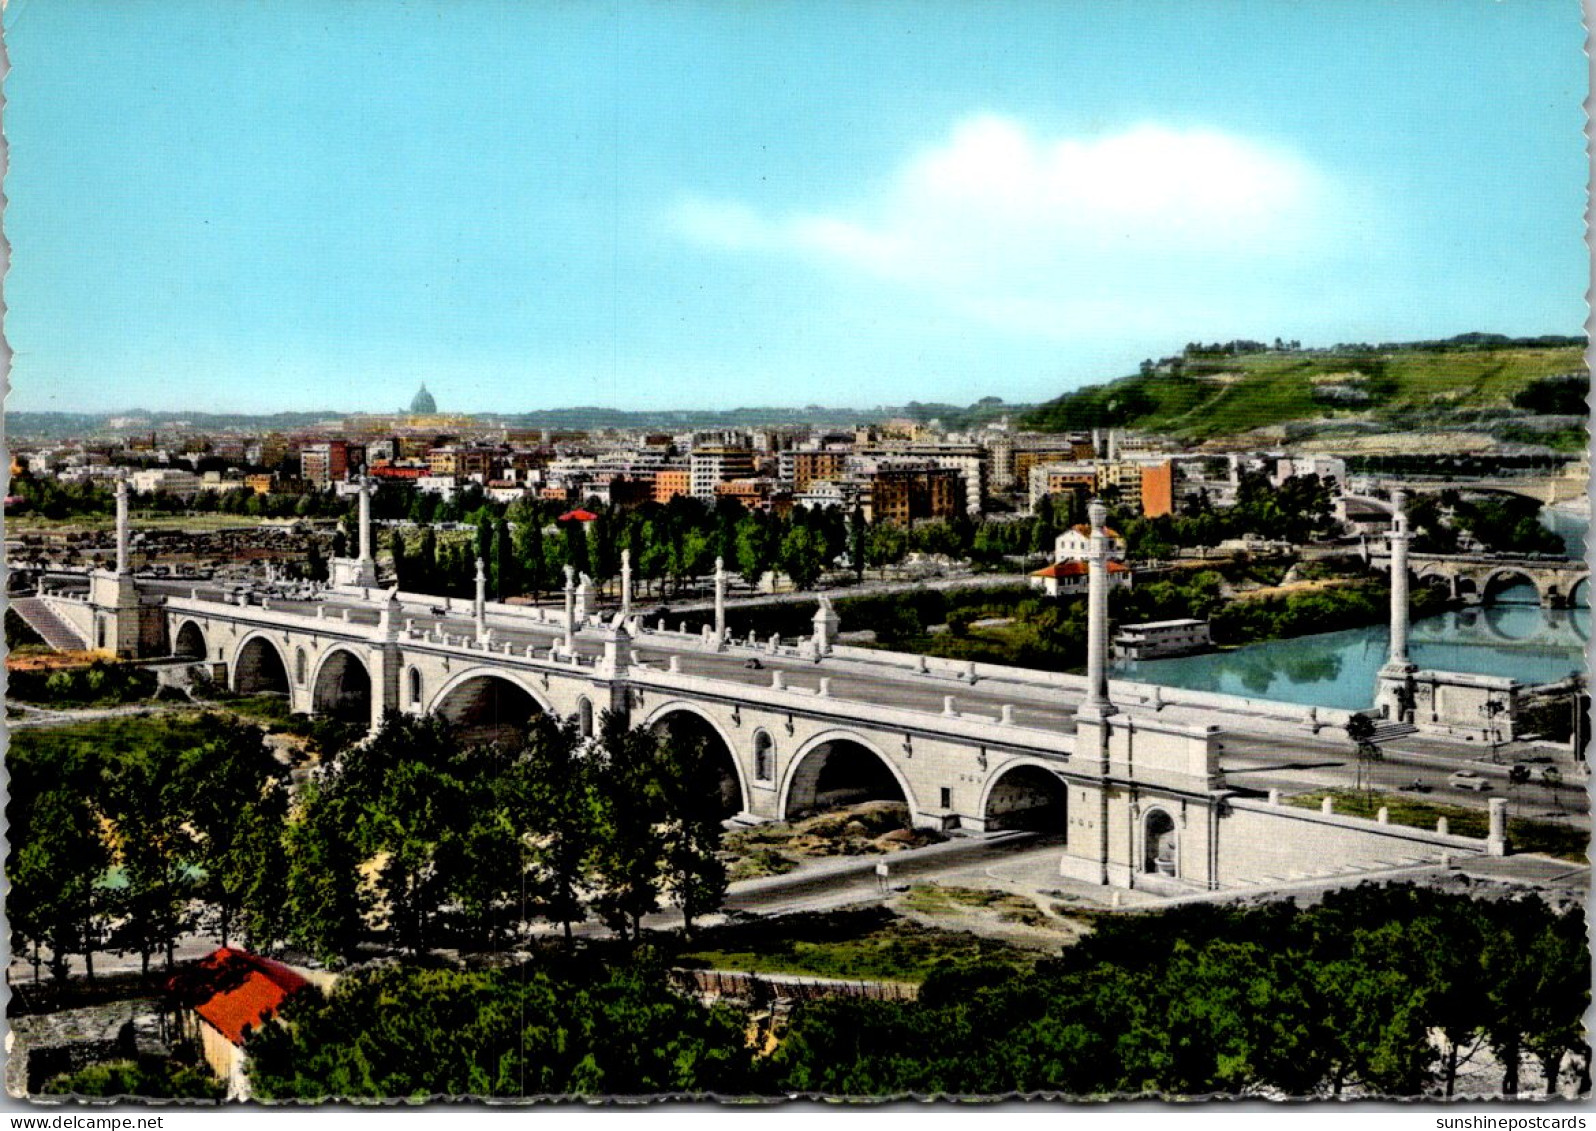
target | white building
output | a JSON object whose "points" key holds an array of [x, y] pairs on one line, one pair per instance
{"points": [[1152, 639], [165, 481]]}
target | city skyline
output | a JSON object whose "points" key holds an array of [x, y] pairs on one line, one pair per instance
{"points": [[663, 209]]}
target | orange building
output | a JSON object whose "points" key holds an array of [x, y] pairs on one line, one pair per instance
{"points": [[1158, 489], [670, 482]]}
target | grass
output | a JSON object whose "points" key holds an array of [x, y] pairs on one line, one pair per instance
{"points": [[935, 900], [166, 731], [1525, 834], [872, 944], [1232, 395]]}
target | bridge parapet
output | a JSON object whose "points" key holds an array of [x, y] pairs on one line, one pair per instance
{"points": [[970, 728]]}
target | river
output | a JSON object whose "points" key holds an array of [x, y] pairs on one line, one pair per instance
{"points": [[1513, 637]]}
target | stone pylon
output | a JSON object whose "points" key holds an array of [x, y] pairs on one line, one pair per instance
{"points": [[479, 605], [123, 557], [626, 584], [1097, 556]]}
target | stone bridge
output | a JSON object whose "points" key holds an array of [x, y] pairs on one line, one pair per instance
{"points": [[1126, 776], [1477, 579]]}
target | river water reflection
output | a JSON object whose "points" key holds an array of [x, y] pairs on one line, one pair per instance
{"points": [[1514, 637], [1338, 669]]}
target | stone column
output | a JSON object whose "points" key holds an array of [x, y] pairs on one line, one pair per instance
{"points": [[1496, 838], [1399, 580], [122, 560], [365, 520], [1097, 614], [570, 609], [479, 607], [720, 602], [626, 584]]}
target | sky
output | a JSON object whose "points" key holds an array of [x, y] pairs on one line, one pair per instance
{"points": [[319, 204]]}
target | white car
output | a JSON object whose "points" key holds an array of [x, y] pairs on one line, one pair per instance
{"points": [[1468, 779]]}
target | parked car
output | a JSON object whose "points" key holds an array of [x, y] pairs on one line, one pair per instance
{"points": [[1468, 779], [1546, 775]]}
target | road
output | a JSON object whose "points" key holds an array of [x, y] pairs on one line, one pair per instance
{"points": [[854, 880]]}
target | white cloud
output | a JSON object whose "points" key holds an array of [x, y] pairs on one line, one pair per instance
{"points": [[1150, 225]]}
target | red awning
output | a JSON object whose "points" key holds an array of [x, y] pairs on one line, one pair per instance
{"points": [[578, 516]]}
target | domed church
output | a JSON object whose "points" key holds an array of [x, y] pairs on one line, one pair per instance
{"points": [[423, 404]]}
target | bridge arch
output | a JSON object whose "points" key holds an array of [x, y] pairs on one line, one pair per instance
{"points": [[486, 705], [1160, 842], [1507, 577], [1026, 795], [670, 719], [259, 667], [838, 767], [341, 687], [190, 642]]}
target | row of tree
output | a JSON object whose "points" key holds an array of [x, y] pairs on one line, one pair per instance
{"points": [[1346, 996], [128, 836], [1388, 991], [446, 842]]}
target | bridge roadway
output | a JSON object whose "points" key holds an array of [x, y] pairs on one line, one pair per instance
{"points": [[905, 689], [1252, 745]]}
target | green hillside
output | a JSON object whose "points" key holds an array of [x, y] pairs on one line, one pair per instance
{"points": [[1225, 390]]}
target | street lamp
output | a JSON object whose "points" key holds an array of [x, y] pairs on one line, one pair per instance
{"points": [[1490, 709]]}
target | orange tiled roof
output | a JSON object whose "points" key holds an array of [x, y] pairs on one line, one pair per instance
{"points": [[1085, 531], [1074, 568], [232, 988]]}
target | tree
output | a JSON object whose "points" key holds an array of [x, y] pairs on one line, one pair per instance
{"points": [[58, 858], [563, 809], [576, 546], [236, 801], [530, 556], [858, 541], [324, 906], [506, 579], [155, 844], [1360, 730], [690, 796], [803, 556], [627, 855]]}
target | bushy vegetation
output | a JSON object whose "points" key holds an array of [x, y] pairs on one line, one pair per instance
{"points": [[1567, 394], [146, 1078], [1499, 524], [1267, 1001], [101, 683], [550, 1028]]}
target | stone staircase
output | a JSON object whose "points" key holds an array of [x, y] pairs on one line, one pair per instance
{"points": [[57, 633], [1389, 732]]}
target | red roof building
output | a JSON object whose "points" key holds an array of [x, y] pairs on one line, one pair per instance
{"points": [[224, 994], [578, 516], [1071, 577]]}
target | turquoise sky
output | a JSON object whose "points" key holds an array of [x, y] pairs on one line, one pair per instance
{"points": [[259, 206]]}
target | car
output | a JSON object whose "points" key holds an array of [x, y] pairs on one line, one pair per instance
{"points": [[1416, 786], [1468, 779], [753, 662], [1546, 775]]}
